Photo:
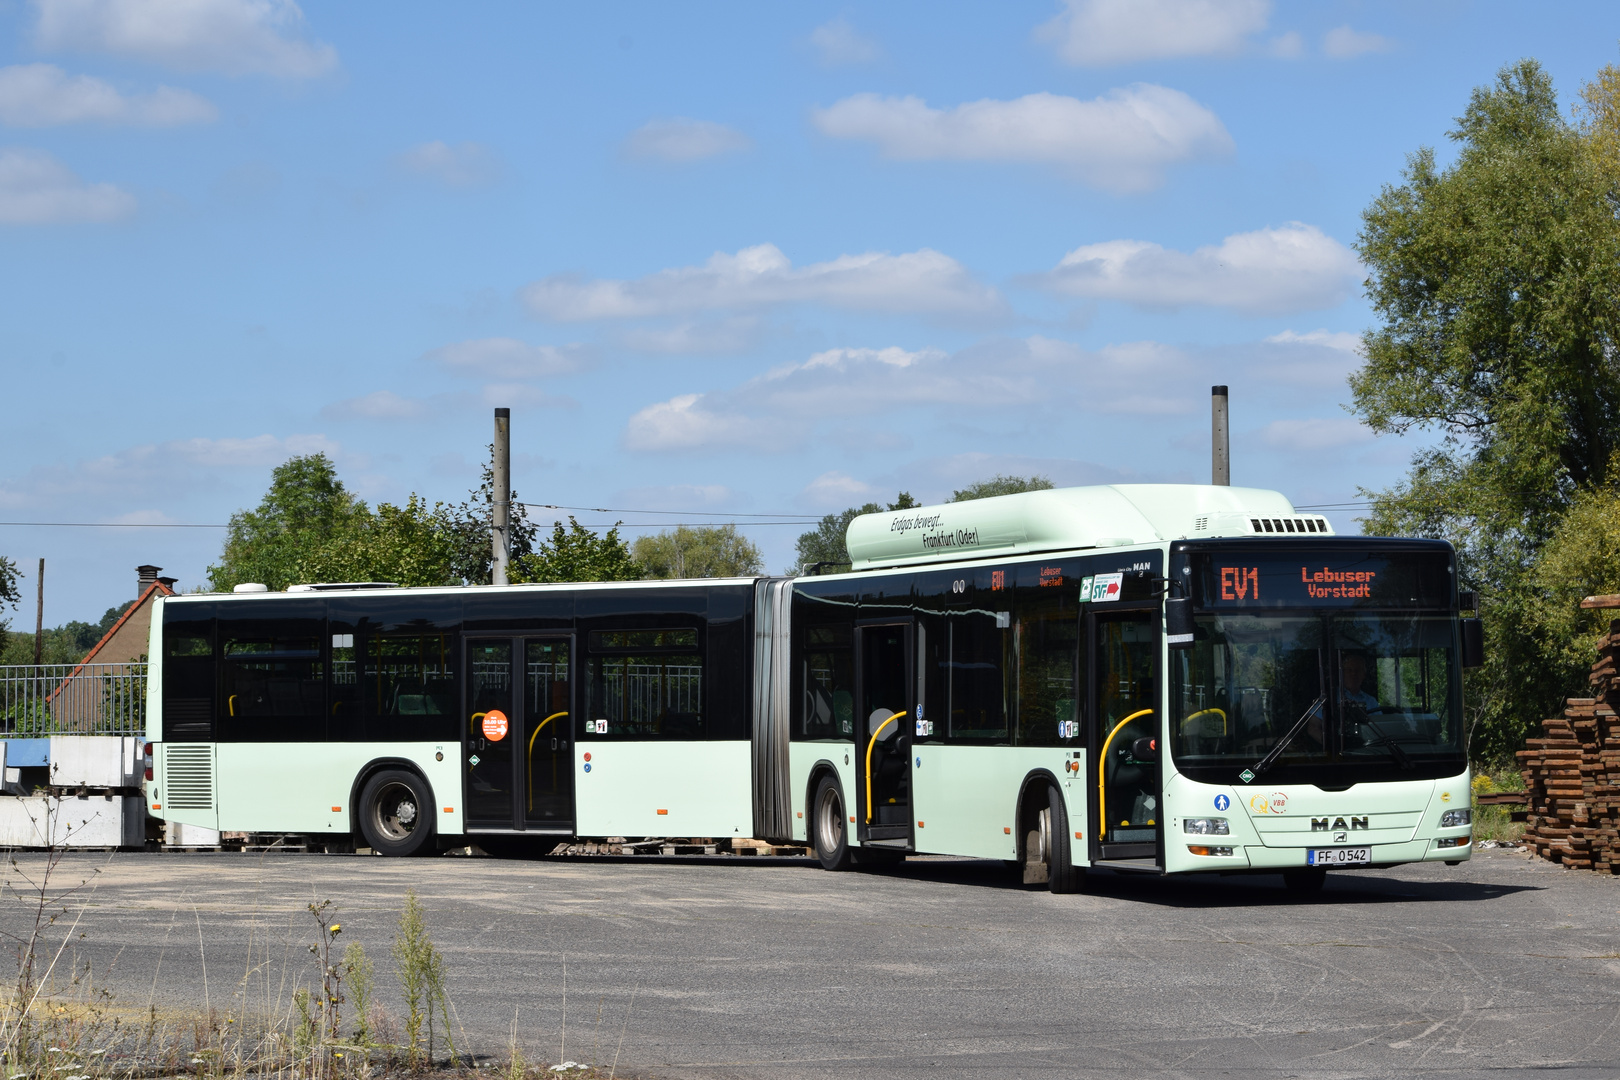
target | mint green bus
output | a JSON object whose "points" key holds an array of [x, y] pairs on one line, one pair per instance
{"points": [[1148, 678]]}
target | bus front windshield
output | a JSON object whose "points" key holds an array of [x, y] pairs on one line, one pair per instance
{"points": [[1325, 699]]}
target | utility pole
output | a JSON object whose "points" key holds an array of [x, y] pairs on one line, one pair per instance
{"points": [[39, 620], [1220, 440], [502, 508]]}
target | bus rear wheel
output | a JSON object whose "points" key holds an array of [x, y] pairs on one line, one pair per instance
{"points": [[396, 813], [831, 838]]}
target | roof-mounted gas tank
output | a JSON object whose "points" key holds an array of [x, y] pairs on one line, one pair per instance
{"points": [[1062, 519]]}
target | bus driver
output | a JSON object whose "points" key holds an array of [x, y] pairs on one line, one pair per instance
{"points": [[1355, 704]]}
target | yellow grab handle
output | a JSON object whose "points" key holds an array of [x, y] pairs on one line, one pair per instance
{"points": [[542, 727], [231, 704], [1205, 712], [1102, 764], [477, 716], [869, 747]]}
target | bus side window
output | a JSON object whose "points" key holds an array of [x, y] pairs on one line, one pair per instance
{"points": [[827, 666], [645, 684], [409, 683], [979, 674], [188, 680], [1051, 677], [345, 721], [272, 683]]}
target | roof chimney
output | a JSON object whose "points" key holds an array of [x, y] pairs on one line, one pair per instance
{"points": [[147, 575]]}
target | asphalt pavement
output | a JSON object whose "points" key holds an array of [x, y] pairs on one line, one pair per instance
{"points": [[771, 967]]}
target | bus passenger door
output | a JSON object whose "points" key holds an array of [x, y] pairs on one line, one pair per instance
{"points": [[885, 699], [490, 716], [548, 728], [1126, 787]]}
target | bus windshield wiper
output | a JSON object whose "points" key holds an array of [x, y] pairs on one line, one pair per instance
{"points": [[1402, 758], [1282, 744]]}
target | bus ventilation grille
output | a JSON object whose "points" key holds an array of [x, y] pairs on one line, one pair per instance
{"points": [[188, 776]]}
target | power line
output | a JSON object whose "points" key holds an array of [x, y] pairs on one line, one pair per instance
{"points": [[112, 525], [672, 513]]}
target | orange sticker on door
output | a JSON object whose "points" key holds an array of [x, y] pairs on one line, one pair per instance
{"points": [[495, 725]]}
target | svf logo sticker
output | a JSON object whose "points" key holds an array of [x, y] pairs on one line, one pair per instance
{"points": [[1222, 802]]}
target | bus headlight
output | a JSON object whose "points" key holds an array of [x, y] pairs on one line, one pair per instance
{"points": [[1451, 819], [1453, 841], [1205, 826]]}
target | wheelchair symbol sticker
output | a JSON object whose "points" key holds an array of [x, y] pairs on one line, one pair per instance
{"points": [[1222, 802]]}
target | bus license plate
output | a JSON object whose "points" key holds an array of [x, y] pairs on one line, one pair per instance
{"points": [[1339, 856]]}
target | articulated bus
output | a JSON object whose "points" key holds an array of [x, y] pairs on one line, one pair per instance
{"points": [[1153, 678]]}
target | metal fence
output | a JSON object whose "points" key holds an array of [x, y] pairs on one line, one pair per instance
{"points": [[73, 699]]}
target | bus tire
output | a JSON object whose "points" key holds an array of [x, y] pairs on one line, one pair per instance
{"points": [[1304, 880], [831, 837], [1046, 853], [396, 813]]}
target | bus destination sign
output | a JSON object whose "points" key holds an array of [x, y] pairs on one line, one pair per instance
{"points": [[1322, 579]]}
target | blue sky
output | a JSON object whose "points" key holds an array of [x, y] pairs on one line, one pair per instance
{"points": [[718, 259]]}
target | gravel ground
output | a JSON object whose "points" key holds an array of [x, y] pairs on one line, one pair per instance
{"points": [[774, 968]]}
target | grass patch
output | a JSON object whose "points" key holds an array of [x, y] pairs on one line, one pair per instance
{"points": [[1496, 822]]}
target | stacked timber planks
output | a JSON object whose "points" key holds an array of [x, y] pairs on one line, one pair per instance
{"points": [[1572, 772]]}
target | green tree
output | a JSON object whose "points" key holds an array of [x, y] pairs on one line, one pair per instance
{"points": [[305, 507], [1496, 283], [1001, 485], [577, 554], [1580, 559], [822, 550], [10, 593], [408, 545], [697, 552], [468, 523]]}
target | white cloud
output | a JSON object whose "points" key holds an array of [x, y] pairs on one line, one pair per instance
{"points": [[467, 164], [681, 139], [43, 95], [777, 410], [684, 423], [380, 405], [508, 358], [838, 43], [1293, 268], [257, 450], [918, 281], [1100, 32], [1289, 46], [1343, 43], [1330, 433], [1121, 141], [1341, 340], [835, 489], [236, 37], [723, 336], [37, 189], [677, 497], [152, 471]]}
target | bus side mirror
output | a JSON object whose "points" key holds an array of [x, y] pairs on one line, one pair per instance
{"points": [[1178, 622], [1473, 643]]}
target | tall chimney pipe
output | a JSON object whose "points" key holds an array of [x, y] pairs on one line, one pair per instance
{"points": [[501, 551], [1220, 440]]}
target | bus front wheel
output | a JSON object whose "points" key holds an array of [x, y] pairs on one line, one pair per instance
{"points": [[831, 837], [396, 812], [1047, 857]]}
